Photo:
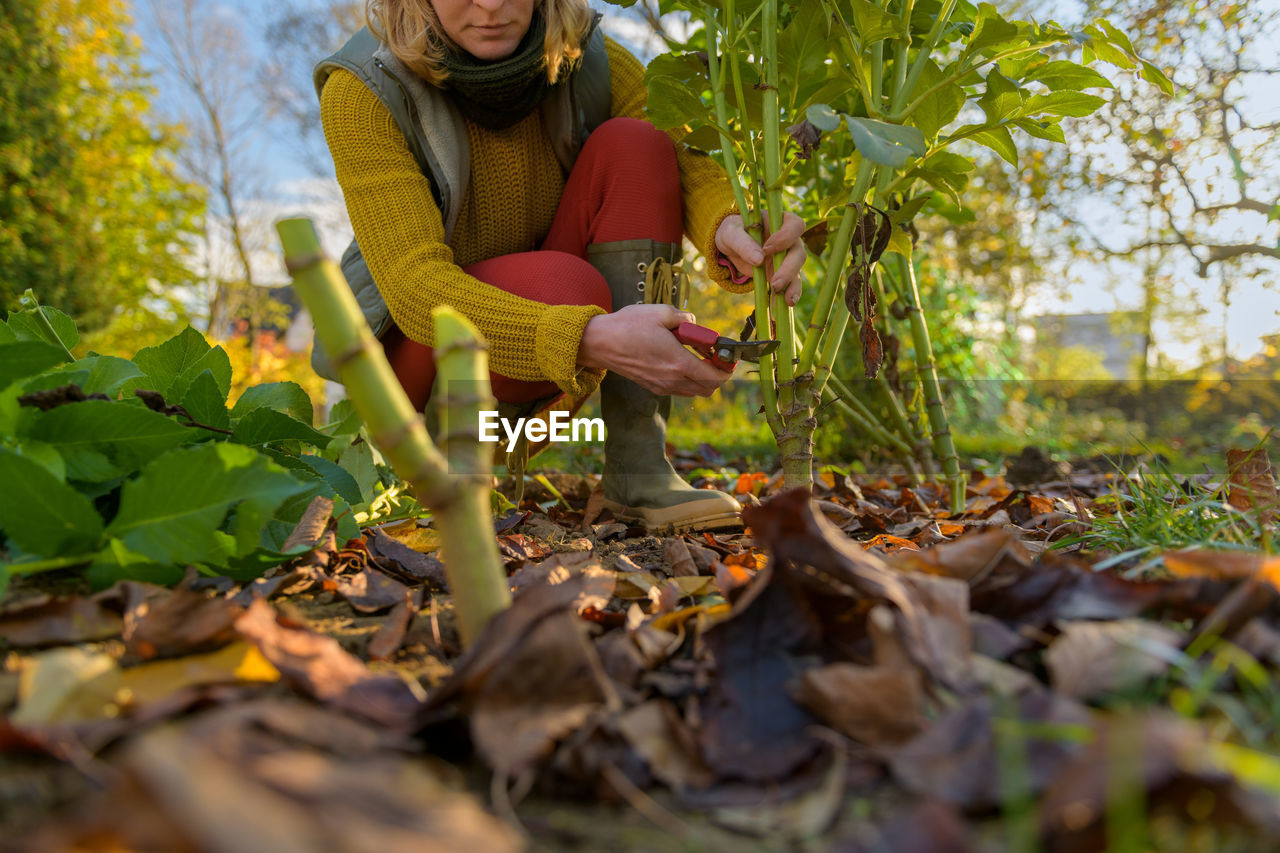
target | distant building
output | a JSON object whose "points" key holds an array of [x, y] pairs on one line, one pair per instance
{"points": [[1115, 338]]}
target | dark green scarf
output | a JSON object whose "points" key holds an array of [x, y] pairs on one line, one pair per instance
{"points": [[496, 95]]}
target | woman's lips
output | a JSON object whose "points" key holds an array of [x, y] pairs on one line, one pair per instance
{"points": [[490, 29]]}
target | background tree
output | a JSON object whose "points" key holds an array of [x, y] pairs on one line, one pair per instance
{"points": [[1170, 190], [93, 214], [204, 51]]}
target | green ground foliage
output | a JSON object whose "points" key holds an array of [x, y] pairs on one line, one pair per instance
{"points": [[138, 467]]}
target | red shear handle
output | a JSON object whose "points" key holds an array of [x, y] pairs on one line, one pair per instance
{"points": [[703, 341]]}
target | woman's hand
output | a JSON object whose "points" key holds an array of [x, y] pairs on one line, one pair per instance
{"points": [[637, 342], [745, 252]]}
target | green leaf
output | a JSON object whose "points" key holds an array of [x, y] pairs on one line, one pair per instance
{"points": [[674, 82], [115, 562], [1049, 130], [822, 117], [44, 455], [1153, 75], [1118, 38], [887, 144], [1061, 75], [26, 327], [357, 460], [264, 426], [1074, 104], [342, 483], [42, 514], [24, 359], [103, 439], [948, 161], [171, 513], [999, 140], [989, 30], [204, 402], [802, 51], [10, 411], [7, 335], [1110, 53], [343, 419], [900, 243], [172, 366], [705, 138], [909, 208], [333, 478], [950, 183], [1001, 99], [871, 23], [107, 374], [940, 108], [287, 397]]}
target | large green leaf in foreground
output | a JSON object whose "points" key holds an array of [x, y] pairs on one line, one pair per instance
{"points": [[102, 439], [172, 512], [40, 513]]}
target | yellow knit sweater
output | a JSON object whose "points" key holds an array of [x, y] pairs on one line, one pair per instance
{"points": [[509, 204]]}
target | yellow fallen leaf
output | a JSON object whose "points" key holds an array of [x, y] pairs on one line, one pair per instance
{"points": [[64, 687], [421, 539]]}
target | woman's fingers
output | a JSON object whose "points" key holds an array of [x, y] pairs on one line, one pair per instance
{"points": [[790, 232], [788, 275]]}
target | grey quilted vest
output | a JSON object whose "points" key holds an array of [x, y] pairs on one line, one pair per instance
{"points": [[437, 137]]}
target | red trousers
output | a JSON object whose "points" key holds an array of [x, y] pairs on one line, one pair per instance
{"points": [[624, 186]]}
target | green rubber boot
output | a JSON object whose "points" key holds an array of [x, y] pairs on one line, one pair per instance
{"points": [[639, 483]]}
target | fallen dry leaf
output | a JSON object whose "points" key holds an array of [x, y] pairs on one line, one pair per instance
{"points": [[390, 634], [1161, 762], [259, 791], [955, 760], [71, 685], [409, 562], [679, 558], [183, 622], [658, 735], [1253, 483], [370, 591], [318, 667], [1090, 659], [751, 727], [312, 526], [58, 620], [837, 574], [878, 706]]}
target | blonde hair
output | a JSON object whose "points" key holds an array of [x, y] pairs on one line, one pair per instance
{"points": [[412, 32]]}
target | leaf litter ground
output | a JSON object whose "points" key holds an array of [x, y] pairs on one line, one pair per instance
{"points": [[861, 671]]}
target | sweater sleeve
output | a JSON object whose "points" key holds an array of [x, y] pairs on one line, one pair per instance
{"points": [[401, 233], [708, 198]]}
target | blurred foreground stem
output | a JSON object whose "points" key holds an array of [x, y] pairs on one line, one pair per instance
{"points": [[456, 490]]}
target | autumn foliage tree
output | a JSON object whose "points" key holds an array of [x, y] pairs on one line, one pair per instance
{"points": [[92, 214]]}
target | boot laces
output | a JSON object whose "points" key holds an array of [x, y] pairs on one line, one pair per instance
{"points": [[663, 283]]}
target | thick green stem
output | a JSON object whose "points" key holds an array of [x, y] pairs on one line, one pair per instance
{"points": [[927, 370], [767, 389], [463, 392], [461, 504], [772, 155], [836, 253]]}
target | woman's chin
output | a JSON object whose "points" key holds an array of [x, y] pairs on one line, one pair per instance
{"points": [[491, 50]]}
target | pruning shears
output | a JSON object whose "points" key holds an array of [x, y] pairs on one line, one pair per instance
{"points": [[721, 351]]}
